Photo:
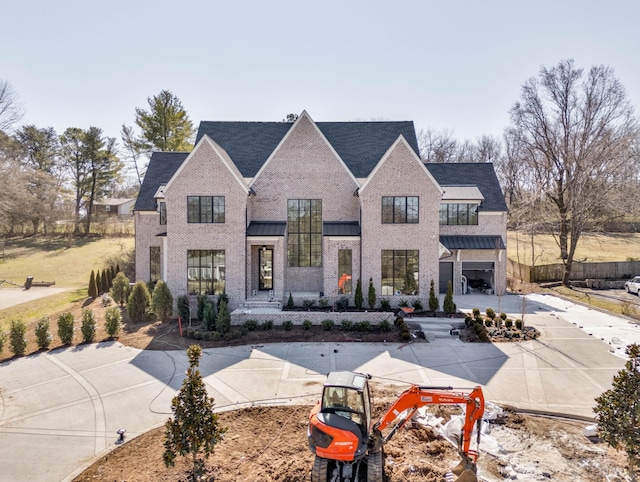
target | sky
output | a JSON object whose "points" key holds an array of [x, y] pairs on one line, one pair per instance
{"points": [[449, 66]]}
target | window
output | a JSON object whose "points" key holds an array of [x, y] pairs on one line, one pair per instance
{"points": [[344, 272], [205, 209], [304, 232], [400, 209], [459, 214], [162, 208], [400, 272], [154, 263], [205, 272]]}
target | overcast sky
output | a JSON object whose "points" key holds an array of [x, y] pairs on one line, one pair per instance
{"points": [[446, 65]]}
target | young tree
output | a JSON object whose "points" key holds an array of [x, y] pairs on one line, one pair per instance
{"points": [[223, 321], [371, 295], [65, 328], [166, 125], [88, 326], [17, 338], [434, 302], [194, 429], [162, 301], [357, 298], [577, 131], [43, 337], [618, 411], [448, 305], [112, 321], [93, 287], [210, 316], [104, 283], [138, 302], [120, 288]]}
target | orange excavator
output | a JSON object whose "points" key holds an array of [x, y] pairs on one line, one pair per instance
{"points": [[348, 445]]}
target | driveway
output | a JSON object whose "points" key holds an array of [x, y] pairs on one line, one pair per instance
{"points": [[61, 410]]}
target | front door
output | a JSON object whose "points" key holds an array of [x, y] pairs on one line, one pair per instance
{"points": [[266, 269]]}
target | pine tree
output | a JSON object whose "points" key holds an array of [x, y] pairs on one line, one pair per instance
{"points": [[120, 288], [194, 428], [109, 279], [223, 321], [357, 300], [162, 301], [104, 284], [618, 410], [93, 287], [371, 296], [434, 302], [138, 302], [448, 305]]}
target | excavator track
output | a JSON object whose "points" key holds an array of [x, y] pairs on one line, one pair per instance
{"points": [[319, 470], [375, 467]]}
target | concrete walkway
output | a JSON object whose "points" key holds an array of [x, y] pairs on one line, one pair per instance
{"points": [[60, 410]]}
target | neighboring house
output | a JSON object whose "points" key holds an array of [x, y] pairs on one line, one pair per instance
{"points": [[269, 208], [114, 207]]}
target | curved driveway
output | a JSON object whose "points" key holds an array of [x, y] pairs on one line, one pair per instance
{"points": [[60, 410]]}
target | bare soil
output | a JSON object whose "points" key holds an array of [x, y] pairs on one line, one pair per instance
{"points": [[268, 444]]}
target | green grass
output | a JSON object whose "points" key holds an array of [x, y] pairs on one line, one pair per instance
{"points": [[54, 259], [592, 247]]}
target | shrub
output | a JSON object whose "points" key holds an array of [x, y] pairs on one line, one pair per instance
{"points": [[488, 323], [476, 312], [184, 308], [93, 287], [342, 303], [467, 319], [363, 326], [290, 304], [267, 325], [308, 303], [223, 322], [162, 301], [417, 305], [490, 313], [503, 316], [109, 278], [202, 304], [346, 325], [113, 321], [106, 300], [327, 325], [434, 303], [43, 337], [323, 302], [250, 325], [222, 297], [138, 302], [2, 339], [65, 328], [384, 326], [306, 325], [371, 295], [120, 288], [357, 300], [403, 303], [385, 304], [209, 317], [104, 284], [287, 325], [404, 334], [508, 323], [449, 306], [519, 324], [17, 339], [88, 326]]}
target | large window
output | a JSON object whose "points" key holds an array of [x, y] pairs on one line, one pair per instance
{"points": [[205, 209], [458, 214], [162, 208], [400, 209], [304, 232], [154, 263], [344, 272], [400, 272], [205, 272]]}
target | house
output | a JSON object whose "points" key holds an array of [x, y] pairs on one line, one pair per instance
{"points": [[114, 206], [272, 208]]}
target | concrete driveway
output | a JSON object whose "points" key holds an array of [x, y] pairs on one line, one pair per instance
{"points": [[61, 410]]}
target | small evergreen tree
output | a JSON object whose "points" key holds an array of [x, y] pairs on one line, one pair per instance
{"points": [[43, 337], [17, 338], [99, 282], [194, 428], [223, 322], [104, 284], [162, 301], [88, 325], [371, 296], [209, 318], [2, 339], [434, 302], [112, 321], [65, 328], [222, 297], [138, 302], [109, 279], [184, 308], [357, 300], [93, 287], [202, 304], [448, 305], [120, 288], [290, 301], [618, 411]]}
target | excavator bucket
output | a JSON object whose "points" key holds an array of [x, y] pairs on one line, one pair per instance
{"points": [[465, 470], [467, 476]]}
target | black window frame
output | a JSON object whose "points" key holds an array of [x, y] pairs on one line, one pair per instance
{"points": [[394, 269], [205, 209], [162, 209], [304, 233], [197, 264], [400, 209], [458, 214]]}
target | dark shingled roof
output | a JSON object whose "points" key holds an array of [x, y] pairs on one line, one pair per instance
{"points": [[162, 166], [335, 228], [472, 242], [479, 174], [266, 228]]}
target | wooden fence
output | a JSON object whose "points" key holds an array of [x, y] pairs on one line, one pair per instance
{"points": [[579, 271]]}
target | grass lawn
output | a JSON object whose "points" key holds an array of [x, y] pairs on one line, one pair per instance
{"points": [[49, 258], [592, 247]]}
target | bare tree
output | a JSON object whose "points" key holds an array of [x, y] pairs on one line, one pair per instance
{"points": [[575, 130], [10, 109], [135, 149], [437, 146]]}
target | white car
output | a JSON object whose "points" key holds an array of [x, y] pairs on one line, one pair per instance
{"points": [[633, 285]]}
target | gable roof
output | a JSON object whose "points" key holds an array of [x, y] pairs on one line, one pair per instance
{"points": [[359, 144], [162, 166], [481, 174]]}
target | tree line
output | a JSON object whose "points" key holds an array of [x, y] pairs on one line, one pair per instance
{"points": [[49, 178]]}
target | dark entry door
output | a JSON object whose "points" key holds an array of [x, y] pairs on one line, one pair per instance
{"points": [[266, 269]]}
